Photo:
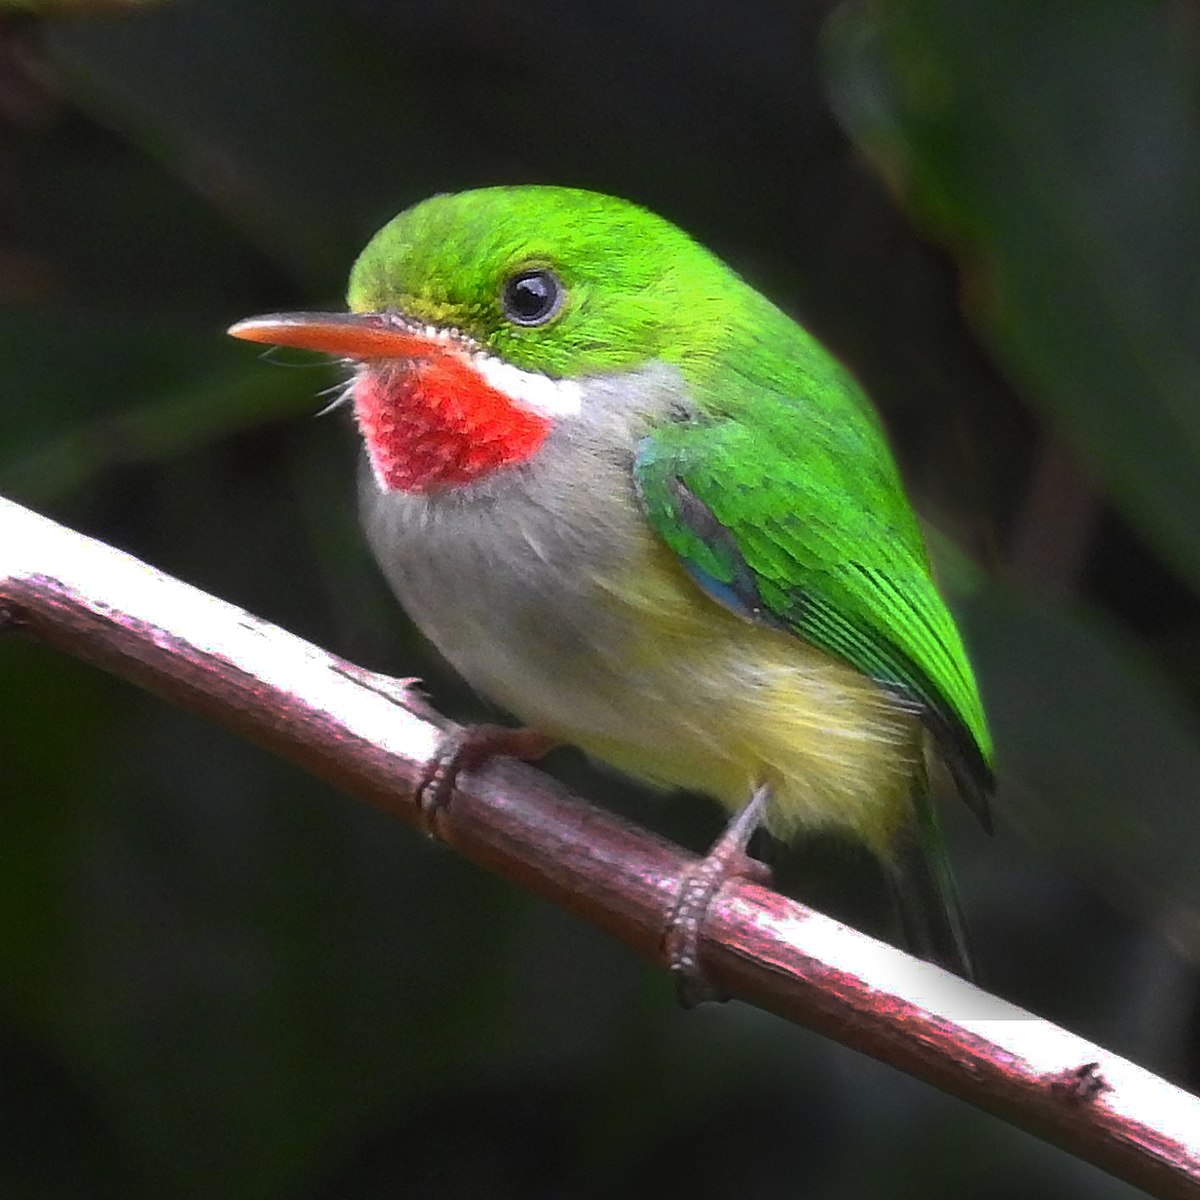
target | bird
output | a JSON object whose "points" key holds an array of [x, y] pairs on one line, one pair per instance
{"points": [[639, 507]]}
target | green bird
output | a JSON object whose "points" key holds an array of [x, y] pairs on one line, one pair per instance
{"points": [[646, 512]]}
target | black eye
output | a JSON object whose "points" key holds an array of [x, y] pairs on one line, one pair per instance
{"points": [[531, 297]]}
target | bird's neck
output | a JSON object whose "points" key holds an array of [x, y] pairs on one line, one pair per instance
{"points": [[437, 422]]}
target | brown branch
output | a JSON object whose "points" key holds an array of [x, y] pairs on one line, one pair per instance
{"points": [[370, 735]]}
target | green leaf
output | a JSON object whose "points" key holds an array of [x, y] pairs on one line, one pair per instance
{"points": [[86, 400], [1099, 758], [1058, 154]]}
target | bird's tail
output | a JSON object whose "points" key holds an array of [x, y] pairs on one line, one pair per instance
{"points": [[925, 893]]}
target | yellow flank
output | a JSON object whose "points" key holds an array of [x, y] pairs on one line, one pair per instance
{"points": [[720, 705]]}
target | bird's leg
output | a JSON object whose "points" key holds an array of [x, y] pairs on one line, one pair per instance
{"points": [[726, 860], [467, 746]]}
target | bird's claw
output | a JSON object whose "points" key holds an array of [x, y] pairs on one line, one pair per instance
{"points": [[466, 747], [726, 860]]}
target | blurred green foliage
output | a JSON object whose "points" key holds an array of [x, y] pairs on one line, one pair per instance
{"points": [[219, 978]]}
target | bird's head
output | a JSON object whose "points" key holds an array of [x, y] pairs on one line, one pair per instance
{"points": [[476, 320]]}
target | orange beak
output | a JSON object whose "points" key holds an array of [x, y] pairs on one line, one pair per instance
{"points": [[348, 335]]}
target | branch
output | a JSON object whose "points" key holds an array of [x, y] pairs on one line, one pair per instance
{"points": [[369, 735]]}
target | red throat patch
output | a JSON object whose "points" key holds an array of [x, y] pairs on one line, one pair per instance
{"points": [[435, 422]]}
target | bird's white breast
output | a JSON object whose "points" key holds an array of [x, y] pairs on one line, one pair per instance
{"points": [[513, 577], [545, 587]]}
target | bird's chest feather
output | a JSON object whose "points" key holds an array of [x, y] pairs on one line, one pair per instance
{"points": [[548, 591], [522, 581]]}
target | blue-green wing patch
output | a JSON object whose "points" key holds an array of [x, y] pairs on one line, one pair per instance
{"points": [[774, 523]]}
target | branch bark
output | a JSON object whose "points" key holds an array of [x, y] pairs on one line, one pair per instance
{"points": [[370, 736]]}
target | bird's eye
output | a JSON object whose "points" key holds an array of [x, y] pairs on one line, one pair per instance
{"points": [[531, 297]]}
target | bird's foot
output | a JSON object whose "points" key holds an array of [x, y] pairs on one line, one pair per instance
{"points": [[726, 860], [466, 747]]}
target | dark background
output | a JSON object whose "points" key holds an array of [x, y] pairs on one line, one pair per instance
{"points": [[218, 977]]}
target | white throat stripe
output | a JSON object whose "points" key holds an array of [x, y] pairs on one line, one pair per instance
{"points": [[530, 389]]}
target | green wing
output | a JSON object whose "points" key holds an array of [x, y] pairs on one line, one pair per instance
{"points": [[797, 519]]}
